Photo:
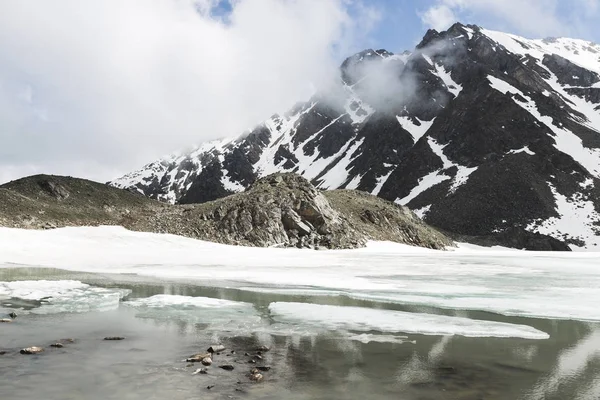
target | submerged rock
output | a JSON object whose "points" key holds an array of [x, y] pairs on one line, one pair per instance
{"points": [[202, 371], [227, 367], [57, 345], [216, 348], [32, 350], [114, 338]]}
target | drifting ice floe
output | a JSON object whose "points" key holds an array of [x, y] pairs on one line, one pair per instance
{"points": [[367, 319], [216, 314], [63, 296], [182, 302]]}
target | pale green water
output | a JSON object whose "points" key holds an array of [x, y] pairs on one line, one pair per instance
{"points": [[148, 364]]}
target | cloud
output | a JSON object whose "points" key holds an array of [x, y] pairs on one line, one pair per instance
{"points": [[96, 88], [535, 18], [439, 17]]}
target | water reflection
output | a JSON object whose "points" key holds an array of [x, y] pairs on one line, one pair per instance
{"points": [[306, 363], [573, 368]]}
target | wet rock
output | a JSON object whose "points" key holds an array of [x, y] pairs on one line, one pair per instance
{"points": [[263, 348], [227, 367], [2, 353], [257, 377], [258, 357], [57, 345], [216, 348], [232, 352], [207, 361], [210, 387], [13, 315], [202, 371], [6, 320], [114, 338], [198, 357], [247, 354], [263, 368], [32, 350], [252, 362]]}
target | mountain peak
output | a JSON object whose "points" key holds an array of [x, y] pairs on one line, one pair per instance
{"points": [[457, 30], [487, 135], [352, 69]]}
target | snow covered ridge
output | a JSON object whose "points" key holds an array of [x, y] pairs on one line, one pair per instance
{"points": [[482, 132]]}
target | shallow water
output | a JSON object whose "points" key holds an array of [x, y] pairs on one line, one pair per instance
{"points": [[306, 362]]}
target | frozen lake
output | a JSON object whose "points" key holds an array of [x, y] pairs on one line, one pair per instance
{"points": [[388, 321]]}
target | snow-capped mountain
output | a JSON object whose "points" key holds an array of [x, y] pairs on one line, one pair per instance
{"points": [[482, 133]]}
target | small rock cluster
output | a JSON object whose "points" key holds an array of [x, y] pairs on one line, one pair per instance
{"points": [[37, 349], [206, 359]]}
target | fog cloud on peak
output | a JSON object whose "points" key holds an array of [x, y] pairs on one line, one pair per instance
{"points": [[97, 88]]}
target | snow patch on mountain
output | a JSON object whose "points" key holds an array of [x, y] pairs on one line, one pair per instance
{"points": [[577, 219], [425, 183], [522, 150], [583, 53], [415, 126], [336, 176], [445, 76], [566, 141], [381, 181], [462, 174]]}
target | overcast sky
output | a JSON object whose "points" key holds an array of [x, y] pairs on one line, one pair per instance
{"points": [[96, 88]]}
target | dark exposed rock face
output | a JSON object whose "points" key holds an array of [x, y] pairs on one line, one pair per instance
{"points": [[54, 189], [278, 210], [483, 134]]}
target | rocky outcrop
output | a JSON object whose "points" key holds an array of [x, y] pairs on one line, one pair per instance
{"points": [[282, 210]]}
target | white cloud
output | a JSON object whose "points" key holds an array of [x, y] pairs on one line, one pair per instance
{"points": [[96, 88], [439, 17], [535, 18]]}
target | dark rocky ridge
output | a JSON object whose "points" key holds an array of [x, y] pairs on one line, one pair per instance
{"points": [[500, 171], [278, 210]]}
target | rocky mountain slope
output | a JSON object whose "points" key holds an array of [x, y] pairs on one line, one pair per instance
{"points": [[278, 210], [486, 135]]}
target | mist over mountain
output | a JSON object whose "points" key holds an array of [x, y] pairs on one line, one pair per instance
{"points": [[487, 136]]}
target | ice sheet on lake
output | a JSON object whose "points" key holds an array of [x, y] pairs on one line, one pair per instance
{"points": [[367, 319], [63, 296], [214, 314], [225, 316], [510, 282], [182, 302]]}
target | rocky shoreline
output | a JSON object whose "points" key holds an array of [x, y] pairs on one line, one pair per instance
{"points": [[280, 210]]}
